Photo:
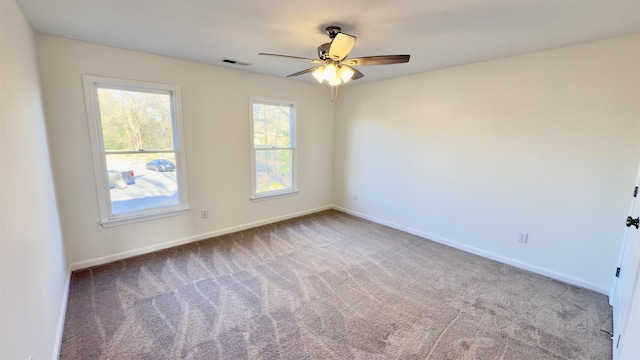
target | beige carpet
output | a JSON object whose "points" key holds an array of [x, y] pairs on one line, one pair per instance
{"points": [[327, 286]]}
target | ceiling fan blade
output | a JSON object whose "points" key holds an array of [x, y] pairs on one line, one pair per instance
{"points": [[305, 71], [341, 46], [315, 61], [356, 74], [377, 60]]}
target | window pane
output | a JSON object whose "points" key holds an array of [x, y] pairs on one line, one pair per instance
{"points": [[142, 181], [273, 170], [133, 120], [271, 125]]}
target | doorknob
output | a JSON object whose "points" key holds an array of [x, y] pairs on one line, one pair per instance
{"points": [[633, 222]]}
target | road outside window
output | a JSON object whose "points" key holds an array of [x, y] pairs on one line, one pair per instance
{"points": [[138, 163]]}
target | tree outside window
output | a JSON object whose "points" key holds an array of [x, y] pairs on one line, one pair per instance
{"points": [[273, 142], [135, 127]]}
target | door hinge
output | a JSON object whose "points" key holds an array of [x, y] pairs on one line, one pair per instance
{"points": [[635, 192], [618, 272], [607, 332]]}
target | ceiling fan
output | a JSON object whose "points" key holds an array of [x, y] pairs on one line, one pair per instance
{"points": [[333, 66]]}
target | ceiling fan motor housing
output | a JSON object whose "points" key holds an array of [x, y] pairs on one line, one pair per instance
{"points": [[323, 51]]}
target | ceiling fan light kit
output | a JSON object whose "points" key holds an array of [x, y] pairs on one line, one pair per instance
{"points": [[333, 74], [334, 67]]}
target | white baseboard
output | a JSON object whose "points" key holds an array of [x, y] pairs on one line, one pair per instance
{"points": [[63, 315], [480, 252], [190, 239], [470, 249]]}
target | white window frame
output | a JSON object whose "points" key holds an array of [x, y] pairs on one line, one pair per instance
{"points": [[293, 147], [107, 218]]}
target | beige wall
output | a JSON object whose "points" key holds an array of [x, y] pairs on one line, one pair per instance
{"points": [[33, 270], [215, 108], [545, 143]]}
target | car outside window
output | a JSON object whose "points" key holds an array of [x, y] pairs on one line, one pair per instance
{"points": [[135, 125]]}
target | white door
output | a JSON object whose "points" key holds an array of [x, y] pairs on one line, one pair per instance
{"points": [[626, 293], [629, 346]]}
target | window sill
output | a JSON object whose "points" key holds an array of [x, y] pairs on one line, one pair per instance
{"points": [[272, 196], [141, 218]]}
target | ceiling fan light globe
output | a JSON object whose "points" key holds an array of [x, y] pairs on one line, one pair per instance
{"points": [[319, 74], [330, 72], [345, 73], [335, 82]]}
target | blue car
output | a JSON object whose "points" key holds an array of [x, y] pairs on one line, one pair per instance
{"points": [[160, 165]]}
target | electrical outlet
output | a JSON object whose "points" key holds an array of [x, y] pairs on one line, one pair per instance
{"points": [[204, 213], [523, 237], [355, 197]]}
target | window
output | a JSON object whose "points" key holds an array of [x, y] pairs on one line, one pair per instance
{"points": [[273, 148], [139, 165]]}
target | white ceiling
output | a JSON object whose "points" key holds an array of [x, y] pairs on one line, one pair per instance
{"points": [[437, 34]]}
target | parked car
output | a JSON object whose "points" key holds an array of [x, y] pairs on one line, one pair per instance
{"points": [[121, 179], [160, 165]]}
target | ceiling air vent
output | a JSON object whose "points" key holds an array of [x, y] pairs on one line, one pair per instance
{"points": [[235, 62]]}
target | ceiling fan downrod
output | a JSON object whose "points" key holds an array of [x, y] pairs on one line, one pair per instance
{"points": [[332, 31]]}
